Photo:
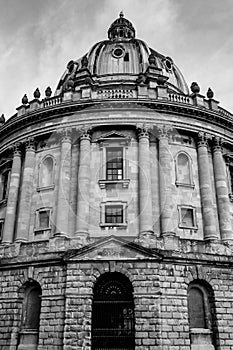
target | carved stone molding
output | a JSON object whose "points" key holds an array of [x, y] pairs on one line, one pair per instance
{"points": [[30, 144], [143, 130], [85, 133], [65, 135], [217, 144], [203, 139], [164, 131]]}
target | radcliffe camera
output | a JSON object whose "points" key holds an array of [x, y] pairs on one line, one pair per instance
{"points": [[116, 202]]}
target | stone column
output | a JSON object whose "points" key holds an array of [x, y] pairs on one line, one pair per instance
{"points": [[82, 223], [165, 181], [209, 220], [145, 197], [10, 216], [63, 195], [24, 215], [222, 191]]}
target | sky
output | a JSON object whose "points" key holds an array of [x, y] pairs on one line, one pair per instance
{"points": [[39, 38]]}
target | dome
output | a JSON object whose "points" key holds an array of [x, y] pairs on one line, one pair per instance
{"points": [[121, 59]]}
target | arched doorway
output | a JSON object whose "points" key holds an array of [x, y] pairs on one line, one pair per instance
{"points": [[113, 313]]}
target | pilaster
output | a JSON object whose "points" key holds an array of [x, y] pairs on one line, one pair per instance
{"points": [[10, 216], [145, 198], [82, 222], [222, 191], [165, 180], [22, 233], [209, 220], [63, 202]]}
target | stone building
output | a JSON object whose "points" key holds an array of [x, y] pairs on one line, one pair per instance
{"points": [[116, 208]]}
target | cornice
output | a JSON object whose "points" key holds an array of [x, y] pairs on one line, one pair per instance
{"points": [[65, 109]]}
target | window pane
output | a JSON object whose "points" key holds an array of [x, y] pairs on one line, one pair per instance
{"points": [[187, 217], [46, 172], [196, 308], [114, 164], [183, 171], [33, 309], [44, 219], [114, 214]]}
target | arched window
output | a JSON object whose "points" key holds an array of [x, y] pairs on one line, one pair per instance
{"points": [[198, 311], [202, 316], [46, 173], [113, 313], [183, 170], [29, 333]]}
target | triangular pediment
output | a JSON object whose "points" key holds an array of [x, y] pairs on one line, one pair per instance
{"points": [[112, 248], [112, 135]]}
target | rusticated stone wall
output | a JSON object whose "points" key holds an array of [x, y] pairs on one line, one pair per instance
{"points": [[160, 299]]}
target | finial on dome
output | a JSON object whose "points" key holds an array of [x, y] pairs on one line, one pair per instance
{"points": [[121, 29]]}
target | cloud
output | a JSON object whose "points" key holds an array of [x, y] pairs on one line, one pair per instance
{"points": [[40, 37]]}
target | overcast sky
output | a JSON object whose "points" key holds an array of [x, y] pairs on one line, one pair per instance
{"points": [[38, 38]]}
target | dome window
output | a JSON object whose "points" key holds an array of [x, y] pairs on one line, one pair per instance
{"points": [[168, 63], [118, 52]]}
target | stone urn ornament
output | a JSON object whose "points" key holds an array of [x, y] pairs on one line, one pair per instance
{"points": [[161, 80], [210, 93], [37, 94], [152, 60], [195, 88], [48, 92], [25, 100]]}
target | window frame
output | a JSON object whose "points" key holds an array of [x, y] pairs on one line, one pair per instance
{"points": [[29, 336], [5, 185], [112, 141], [115, 160], [2, 221], [42, 230], [190, 165], [187, 207], [40, 186], [113, 204]]}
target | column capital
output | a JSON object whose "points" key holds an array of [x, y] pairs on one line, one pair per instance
{"points": [[217, 144], [16, 149], [164, 131], [203, 139], [30, 144], [65, 135], [143, 133], [85, 133]]}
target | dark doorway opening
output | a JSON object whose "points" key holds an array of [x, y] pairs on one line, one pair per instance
{"points": [[113, 313]]}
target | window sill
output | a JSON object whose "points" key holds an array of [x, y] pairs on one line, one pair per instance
{"points": [[38, 232], [45, 188], [113, 226], [3, 202], [180, 184], [104, 183], [188, 227]]}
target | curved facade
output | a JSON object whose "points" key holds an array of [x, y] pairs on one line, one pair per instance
{"points": [[116, 208]]}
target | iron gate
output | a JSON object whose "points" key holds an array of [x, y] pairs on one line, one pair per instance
{"points": [[113, 315]]}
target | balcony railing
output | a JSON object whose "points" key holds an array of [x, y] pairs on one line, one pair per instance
{"points": [[116, 94]]}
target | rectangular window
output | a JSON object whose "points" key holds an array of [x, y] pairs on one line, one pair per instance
{"points": [[114, 163], [187, 217], [231, 178], [1, 228], [44, 218], [113, 214], [43, 221], [4, 184]]}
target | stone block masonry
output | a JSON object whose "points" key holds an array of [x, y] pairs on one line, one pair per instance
{"points": [[159, 294]]}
